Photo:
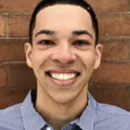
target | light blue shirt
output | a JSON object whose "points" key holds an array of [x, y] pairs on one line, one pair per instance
{"points": [[96, 116]]}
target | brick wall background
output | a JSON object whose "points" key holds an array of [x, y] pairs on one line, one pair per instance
{"points": [[109, 84]]}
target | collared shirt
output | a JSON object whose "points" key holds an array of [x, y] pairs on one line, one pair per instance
{"points": [[96, 116]]}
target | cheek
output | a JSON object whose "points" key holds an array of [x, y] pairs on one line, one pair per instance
{"points": [[38, 55], [88, 59], [37, 58]]}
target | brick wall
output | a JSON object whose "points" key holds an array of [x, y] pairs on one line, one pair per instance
{"points": [[109, 84], [16, 79]]}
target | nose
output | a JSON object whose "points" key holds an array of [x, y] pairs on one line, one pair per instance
{"points": [[64, 55]]}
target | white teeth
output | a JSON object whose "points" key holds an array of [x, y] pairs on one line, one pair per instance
{"points": [[63, 76]]}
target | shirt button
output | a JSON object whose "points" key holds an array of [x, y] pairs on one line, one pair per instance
{"points": [[48, 128]]}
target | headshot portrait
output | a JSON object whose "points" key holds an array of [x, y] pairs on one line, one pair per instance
{"points": [[64, 65]]}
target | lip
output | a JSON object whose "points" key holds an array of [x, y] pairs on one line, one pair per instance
{"points": [[61, 83], [63, 70]]}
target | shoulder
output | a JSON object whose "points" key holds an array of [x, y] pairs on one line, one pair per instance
{"points": [[10, 118], [111, 118]]}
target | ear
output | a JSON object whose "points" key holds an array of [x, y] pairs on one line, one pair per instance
{"points": [[28, 53], [98, 51]]}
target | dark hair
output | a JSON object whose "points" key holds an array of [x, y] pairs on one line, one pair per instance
{"points": [[81, 3]]}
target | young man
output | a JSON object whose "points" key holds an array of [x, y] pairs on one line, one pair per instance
{"points": [[63, 52]]}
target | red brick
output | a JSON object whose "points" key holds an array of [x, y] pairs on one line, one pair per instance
{"points": [[112, 73], [115, 49], [109, 6], [3, 75], [21, 75], [12, 96], [115, 95], [26, 6], [114, 25], [18, 25], [12, 50], [2, 26], [17, 6]]}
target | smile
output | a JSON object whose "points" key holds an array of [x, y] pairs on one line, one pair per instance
{"points": [[63, 76]]}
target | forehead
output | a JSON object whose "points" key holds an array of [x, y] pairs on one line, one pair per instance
{"points": [[69, 17]]}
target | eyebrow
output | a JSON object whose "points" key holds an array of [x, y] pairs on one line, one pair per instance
{"points": [[50, 32], [47, 32], [82, 32]]}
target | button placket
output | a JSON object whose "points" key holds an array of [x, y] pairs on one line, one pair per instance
{"points": [[48, 128]]}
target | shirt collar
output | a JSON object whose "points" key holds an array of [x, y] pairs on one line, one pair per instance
{"points": [[86, 120], [33, 121]]}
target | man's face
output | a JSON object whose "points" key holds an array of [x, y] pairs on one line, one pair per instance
{"points": [[63, 55]]}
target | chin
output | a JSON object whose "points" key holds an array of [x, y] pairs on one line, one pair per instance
{"points": [[64, 98]]}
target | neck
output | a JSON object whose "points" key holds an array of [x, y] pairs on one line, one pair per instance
{"points": [[58, 114]]}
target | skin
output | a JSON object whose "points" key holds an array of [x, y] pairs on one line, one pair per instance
{"points": [[60, 102]]}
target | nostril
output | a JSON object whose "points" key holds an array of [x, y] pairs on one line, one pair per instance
{"points": [[63, 58], [64, 55]]}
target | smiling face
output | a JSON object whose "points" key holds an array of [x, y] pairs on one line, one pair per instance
{"points": [[63, 55]]}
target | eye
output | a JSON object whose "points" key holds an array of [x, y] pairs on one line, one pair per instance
{"points": [[81, 43], [46, 42]]}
